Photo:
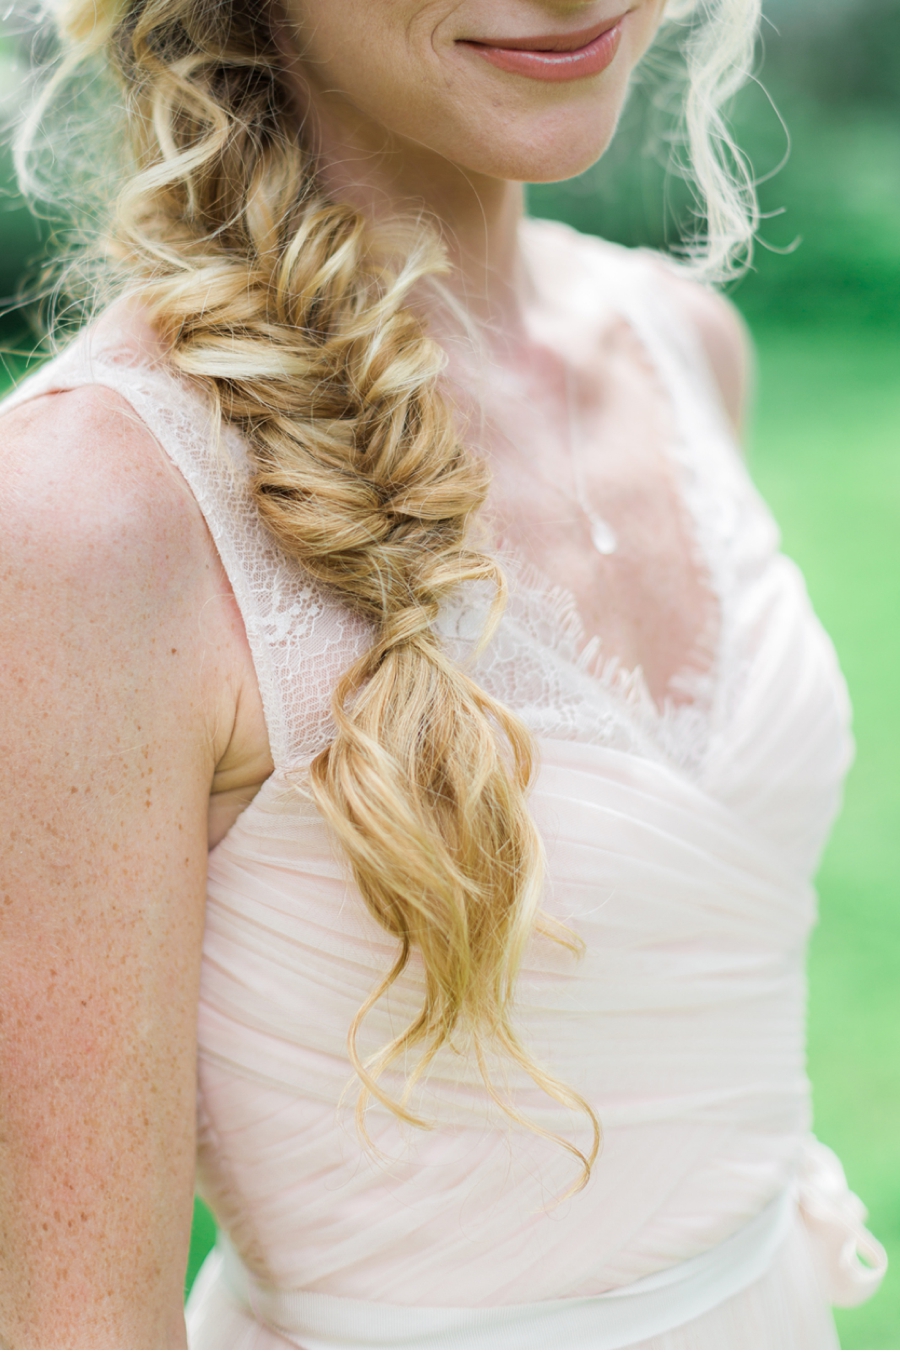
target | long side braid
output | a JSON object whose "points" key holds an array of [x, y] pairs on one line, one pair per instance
{"points": [[295, 315]]}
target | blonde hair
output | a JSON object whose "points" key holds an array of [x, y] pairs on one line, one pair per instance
{"points": [[294, 314], [719, 46]]}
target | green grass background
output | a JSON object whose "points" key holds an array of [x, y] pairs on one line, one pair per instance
{"points": [[826, 452]]}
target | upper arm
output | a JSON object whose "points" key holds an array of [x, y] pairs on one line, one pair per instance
{"points": [[724, 336], [107, 749]]}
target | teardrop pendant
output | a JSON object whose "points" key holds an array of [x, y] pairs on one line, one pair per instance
{"points": [[603, 537]]}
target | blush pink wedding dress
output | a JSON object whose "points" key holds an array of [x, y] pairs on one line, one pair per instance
{"points": [[681, 845]]}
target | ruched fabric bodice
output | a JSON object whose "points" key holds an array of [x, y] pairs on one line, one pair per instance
{"points": [[681, 846]]}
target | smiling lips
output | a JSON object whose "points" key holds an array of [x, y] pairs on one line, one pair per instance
{"points": [[569, 56]]}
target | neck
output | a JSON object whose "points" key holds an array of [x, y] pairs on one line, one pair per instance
{"points": [[385, 177]]}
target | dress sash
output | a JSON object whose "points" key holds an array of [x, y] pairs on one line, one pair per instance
{"points": [[617, 1318]]}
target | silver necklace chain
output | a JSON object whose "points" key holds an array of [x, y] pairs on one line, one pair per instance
{"points": [[603, 537]]}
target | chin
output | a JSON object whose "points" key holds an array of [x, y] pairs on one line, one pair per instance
{"points": [[540, 154], [557, 165]]}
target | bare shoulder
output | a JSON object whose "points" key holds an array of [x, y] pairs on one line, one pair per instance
{"points": [[105, 545], [721, 331], [108, 726], [84, 480]]}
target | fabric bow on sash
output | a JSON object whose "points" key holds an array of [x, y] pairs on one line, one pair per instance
{"points": [[851, 1259]]}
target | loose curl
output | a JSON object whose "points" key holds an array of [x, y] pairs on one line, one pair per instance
{"points": [[294, 314]]}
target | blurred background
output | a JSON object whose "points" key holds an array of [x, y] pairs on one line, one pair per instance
{"points": [[823, 303]]}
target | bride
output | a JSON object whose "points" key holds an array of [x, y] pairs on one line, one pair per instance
{"points": [[417, 750]]}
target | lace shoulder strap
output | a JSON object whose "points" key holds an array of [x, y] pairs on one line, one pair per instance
{"points": [[301, 640]]}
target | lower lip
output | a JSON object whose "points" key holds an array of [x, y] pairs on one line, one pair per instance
{"points": [[585, 61]]}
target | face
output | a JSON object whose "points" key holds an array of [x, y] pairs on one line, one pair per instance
{"points": [[524, 90]]}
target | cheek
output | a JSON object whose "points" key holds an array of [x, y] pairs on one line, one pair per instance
{"points": [[378, 54], [352, 45], [647, 19]]}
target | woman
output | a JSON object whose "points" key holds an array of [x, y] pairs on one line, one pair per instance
{"points": [[274, 753]]}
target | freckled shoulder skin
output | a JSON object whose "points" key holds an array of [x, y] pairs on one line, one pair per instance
{"points": [[126, 697]]}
